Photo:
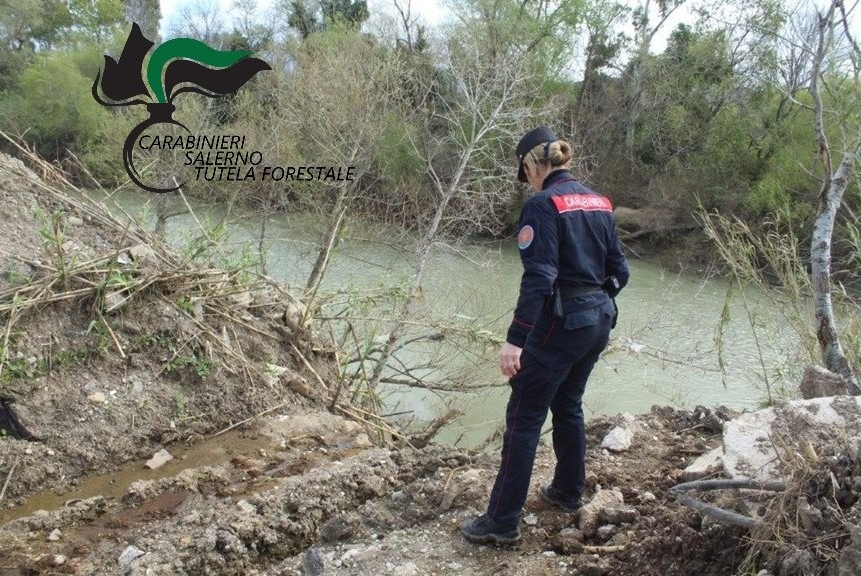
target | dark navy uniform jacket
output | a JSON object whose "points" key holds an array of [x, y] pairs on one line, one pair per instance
{"points": [[567, 234]]}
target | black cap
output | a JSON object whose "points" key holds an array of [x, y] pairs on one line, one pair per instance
{"points": [[541, 135]]}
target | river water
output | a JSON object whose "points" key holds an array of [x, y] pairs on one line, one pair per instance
{"points": [[663, 351]]}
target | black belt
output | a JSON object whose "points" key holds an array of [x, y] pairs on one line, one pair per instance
{"points": [[571, 291]]}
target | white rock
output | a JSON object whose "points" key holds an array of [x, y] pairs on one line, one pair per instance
{"points": [[634, 347], [618, 439], [129, 555], [75, 221], [408, 569], [621, 437], [749, 439], [97, 398], [54, 535], [159, 459], [531, 520], [647, 497], [115, 300], [143, 256], [705, 465], [471, 475], [590, 513], [367, 554], [616, 515], [348, 556], [59, 560], [604, 532]]}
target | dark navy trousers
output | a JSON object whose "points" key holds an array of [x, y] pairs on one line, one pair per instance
{"points": [[556, 362]]}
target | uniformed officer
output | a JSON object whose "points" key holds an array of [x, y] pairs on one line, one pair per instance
{"points": [[572, 267]]}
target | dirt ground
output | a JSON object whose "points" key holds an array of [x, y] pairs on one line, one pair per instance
{"points": [[296, 489], [316, 489]]}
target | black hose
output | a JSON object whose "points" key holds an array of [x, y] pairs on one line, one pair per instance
{"points": [[679, 492]]}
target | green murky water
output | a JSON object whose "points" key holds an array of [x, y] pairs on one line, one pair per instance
{"points": [[663, 350]]}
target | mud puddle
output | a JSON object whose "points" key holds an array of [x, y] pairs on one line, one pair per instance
{"points": [[209, 452]]}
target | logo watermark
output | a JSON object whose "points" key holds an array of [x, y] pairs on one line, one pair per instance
{"points": [[177, 66], [164, 146]]}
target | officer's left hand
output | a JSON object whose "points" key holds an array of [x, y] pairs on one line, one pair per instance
{"points": [[509, 359]]}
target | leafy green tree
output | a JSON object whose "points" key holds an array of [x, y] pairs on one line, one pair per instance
{"points": [[307, 17], [302, 17], [352, 12], [54, 103], [26, 27], [95, 21], [687, 86], [544, 31]]}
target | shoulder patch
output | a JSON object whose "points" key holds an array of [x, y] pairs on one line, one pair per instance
{"points": [[524, 238], [584, 202]]}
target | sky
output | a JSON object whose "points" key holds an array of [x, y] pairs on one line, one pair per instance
{"points": [[430, 11], [433, 12]]}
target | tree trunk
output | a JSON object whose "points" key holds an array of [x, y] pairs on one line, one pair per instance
{"points": [[830, 197], [820, 260], [330, 238]]}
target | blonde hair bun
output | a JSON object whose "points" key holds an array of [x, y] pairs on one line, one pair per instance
{"points": [[559, 153]]}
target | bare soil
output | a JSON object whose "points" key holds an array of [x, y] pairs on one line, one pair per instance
{"points": [[318, 490]]}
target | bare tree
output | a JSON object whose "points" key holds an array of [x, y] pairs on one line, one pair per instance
{"points": [[146, 13], [410, 23], [334, 107], [834, 183], [202, 20], [465, 158]]}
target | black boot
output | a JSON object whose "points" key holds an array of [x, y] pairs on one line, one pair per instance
{"points": [[553, 496], [486, 529]]}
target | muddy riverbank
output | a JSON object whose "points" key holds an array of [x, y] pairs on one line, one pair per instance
{"points": [[317, 491]]}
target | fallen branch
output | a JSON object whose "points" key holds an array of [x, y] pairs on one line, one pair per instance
{"points": [[250, 418], [378, 424], [309, 367], [600, 549], [8, 478], [634, 235], [113, 336]]}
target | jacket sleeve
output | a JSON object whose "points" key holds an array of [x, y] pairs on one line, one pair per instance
{"points": [[615, 263], [538, 241]]}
